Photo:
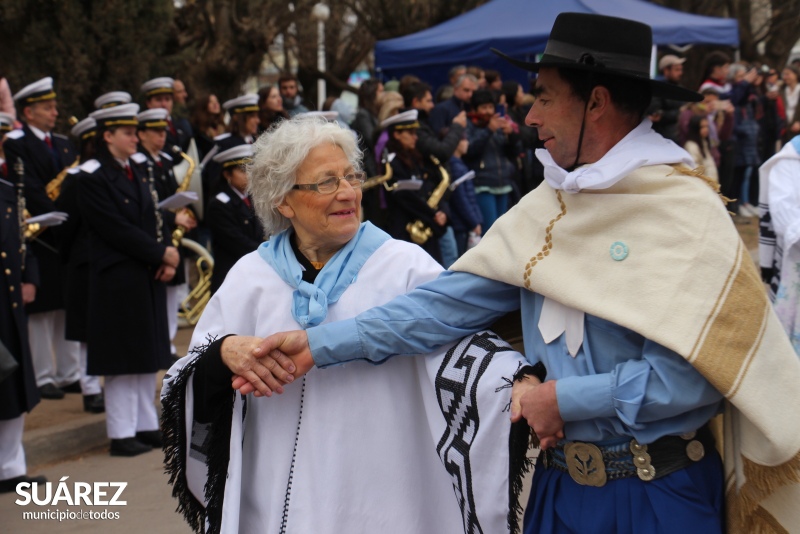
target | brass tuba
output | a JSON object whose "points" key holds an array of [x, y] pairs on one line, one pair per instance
{"points": [[417, 230], [191, 307]]}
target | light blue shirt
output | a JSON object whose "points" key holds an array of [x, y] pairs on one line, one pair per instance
{"points": [[618, 385]]}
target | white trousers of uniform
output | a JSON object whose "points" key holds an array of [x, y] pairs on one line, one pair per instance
{"points": [[90, 385], [49, 349], [12, 455], [130, 405], [175, 294]]}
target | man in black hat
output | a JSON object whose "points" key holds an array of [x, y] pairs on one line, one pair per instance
{"points": [[641, 310]]}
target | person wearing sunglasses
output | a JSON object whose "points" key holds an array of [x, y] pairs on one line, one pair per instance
{"points": [[354, 448], [235, 229]]}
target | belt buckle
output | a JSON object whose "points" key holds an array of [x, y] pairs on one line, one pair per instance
{"points": [[585, 464]]}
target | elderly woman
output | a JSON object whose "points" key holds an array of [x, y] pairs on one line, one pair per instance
{"points": [[347, 449]]}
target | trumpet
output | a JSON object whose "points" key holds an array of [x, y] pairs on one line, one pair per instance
{"points": [[417, 230]]}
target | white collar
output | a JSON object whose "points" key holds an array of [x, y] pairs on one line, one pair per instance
{"points": [[238, 193], [641, 147], [122, 162], [38, 133]]}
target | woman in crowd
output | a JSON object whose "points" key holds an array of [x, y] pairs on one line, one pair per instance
{"points": [[366, 120], [130, 260], [698, 146], [491, 143], [774, 118], [235, 229], [270, 105], [791, 101], [346, 449], [207, 123]]}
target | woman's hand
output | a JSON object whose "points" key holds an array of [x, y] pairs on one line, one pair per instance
{"points": [[288, 352], [165, 273], [440, 218], [264, 375]]}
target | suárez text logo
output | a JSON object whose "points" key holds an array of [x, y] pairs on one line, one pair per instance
{"points": [[96, 494]]}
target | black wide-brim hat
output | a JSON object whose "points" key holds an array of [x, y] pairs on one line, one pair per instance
{"points": [[607, 45]]}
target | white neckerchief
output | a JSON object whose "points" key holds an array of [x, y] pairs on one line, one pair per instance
{"points": [[640, 148], [38, 133]]}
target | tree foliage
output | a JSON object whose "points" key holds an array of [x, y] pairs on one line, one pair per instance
{"points": [[94, 46], [87, 47]]}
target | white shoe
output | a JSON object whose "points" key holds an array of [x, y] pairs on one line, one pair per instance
{"points": [[752, 209], [744, 212]]}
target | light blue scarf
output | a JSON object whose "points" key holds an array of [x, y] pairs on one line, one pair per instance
{"points": [[311, 301]]}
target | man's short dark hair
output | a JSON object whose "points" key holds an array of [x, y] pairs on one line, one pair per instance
{"points": [[417, 91], [632, 97], [287, 78]]}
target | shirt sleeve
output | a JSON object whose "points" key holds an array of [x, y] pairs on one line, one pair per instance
{"points": [[657, 387], [441, 311]]}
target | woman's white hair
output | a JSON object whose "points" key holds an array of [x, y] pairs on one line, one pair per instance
{"points": [[279, 152]]}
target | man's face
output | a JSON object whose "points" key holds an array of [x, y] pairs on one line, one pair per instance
{"points": [[424, 104], [673, 73], [153, 139], [557, 114], [464, 91], [163, 101], [42, 115], [289, 89], [181, 94]]}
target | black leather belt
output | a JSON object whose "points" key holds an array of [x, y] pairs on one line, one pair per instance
{"points": [[592, 465]]}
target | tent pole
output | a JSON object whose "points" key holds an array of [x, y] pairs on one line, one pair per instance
{"points": [[653, 58]]}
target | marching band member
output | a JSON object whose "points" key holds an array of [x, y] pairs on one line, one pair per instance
{"points": [[235, 228], [242, 129], [159, 93], [111, 99], [45, 154], [152, 132], [130, 260], [74, 248], [18, 281]]}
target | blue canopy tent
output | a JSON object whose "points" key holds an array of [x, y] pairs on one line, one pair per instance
{"points": [[520, 29]]}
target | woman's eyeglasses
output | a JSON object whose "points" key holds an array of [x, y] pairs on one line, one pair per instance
{"points": [[329, 185]]}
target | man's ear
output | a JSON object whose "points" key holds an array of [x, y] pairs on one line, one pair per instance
{"points": [[599, 101]]}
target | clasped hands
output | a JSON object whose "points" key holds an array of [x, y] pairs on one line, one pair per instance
{"points": [[262, 366], [536, 402]]}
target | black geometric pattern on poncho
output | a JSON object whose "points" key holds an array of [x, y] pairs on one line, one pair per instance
{"points": [[456, 391]]}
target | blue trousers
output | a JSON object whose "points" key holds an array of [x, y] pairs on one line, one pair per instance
{"points": [[687, 501], [492, 207]]}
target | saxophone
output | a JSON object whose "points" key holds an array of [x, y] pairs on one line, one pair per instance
{"points": [[53, 187], [381, 179], [417, 230], [179, 231]]}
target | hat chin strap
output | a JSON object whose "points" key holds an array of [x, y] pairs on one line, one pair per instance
{"points": [[580, 139]]}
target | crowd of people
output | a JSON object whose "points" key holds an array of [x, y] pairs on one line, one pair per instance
{"points": [[630, 371]]}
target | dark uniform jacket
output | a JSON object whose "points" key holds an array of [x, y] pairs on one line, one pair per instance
{"points": [[406, 206], [18, 392], [74, 248], [211, 173], [41, 166], [165, 185], [179, 133], [235, 231], [128, 332]]}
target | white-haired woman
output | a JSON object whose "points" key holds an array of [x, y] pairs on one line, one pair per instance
{"points": [[347, 449]]}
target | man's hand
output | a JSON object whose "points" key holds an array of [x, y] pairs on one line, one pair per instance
{"points": [[440, 218], [496, 122], [290, 356], [539, 406], [165, 273], [520, 388], [185, 218], [171, 257], [461, 119], [263, 375], [28, 293]]}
